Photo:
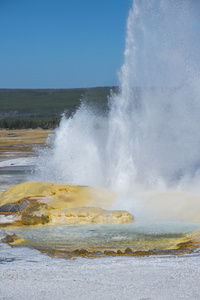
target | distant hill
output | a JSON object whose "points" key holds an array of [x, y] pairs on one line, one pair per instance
{"points": [[31, 108]]}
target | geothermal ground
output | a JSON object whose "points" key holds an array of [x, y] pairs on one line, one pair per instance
{"points": [[32, 274]]}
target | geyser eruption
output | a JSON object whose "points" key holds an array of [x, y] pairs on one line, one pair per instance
{"points": [[150, 137], [153, 124]]}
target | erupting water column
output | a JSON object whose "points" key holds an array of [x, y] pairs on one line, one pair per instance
{"points": [[151, 137], [154, 137]]}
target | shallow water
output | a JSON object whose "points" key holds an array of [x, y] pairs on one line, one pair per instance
{"points": [[98, 239], [13, 175]]}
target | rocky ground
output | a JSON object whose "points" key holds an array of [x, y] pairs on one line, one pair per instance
{"points": [[27, 274]]}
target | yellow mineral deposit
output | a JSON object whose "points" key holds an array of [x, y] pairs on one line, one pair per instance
{"points": [[89, 215], [46, 203], [187, 243], [33, 203]]}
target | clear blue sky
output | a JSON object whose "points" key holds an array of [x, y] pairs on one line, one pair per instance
{"points": [[61, 43]]}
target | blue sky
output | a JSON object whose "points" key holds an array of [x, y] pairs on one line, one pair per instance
{"points": [[61, 43]]}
